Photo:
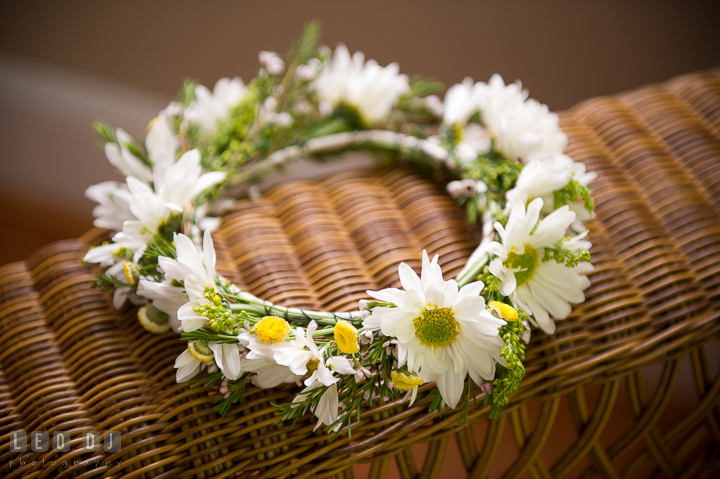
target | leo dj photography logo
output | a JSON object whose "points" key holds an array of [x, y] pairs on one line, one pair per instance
{"points": [[39, 441]]}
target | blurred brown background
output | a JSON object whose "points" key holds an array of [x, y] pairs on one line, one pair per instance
{"points": [[64, 64]]}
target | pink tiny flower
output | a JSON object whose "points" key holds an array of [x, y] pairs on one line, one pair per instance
{"points": [[272, 62]]}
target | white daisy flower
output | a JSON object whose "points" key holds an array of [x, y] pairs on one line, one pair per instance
{"points": [[543, 175], [326, 409], [113, 207], [181, 183], [270, 374], [538, 179], [443, 334], [474, 141], [196, 271], [260, 359], [122, 294], [210, 107], [310, 360], [165, 297], [187, 367], [227, 358], [257, 349], [115, 199], [162, 146], [121, 249], [371, 89], [461, 102], [193, 360], [520, 127], [121, 158], [544, 289]]}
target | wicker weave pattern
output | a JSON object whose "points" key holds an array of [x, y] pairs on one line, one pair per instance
{"points": [[71, 362]]}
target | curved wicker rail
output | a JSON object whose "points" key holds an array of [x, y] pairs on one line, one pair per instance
{"points": [[628, 386]]}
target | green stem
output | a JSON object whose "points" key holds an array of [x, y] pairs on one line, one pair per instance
{"points": [[385, 139], [253, 305], [472, 272]]}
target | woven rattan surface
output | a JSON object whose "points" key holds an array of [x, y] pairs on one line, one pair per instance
{"points": [[628, 386]]}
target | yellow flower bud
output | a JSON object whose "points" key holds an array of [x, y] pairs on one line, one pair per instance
{"points": [[346, 337], [405, 380], [200, 351], [272, 330], [504, 311]]}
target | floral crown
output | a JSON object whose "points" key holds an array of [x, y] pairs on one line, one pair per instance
{"points": [[504, 154]]}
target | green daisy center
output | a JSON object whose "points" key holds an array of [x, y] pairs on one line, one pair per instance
{"points": [[436, 327], [528, 261], [350, 115]]}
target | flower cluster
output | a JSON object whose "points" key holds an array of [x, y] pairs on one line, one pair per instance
{"points": [[502, 155]]}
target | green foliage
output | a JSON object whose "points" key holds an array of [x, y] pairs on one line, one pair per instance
{"points": [[105, 132], [574, 192], [468, 397], [187, 93], [472, 208], [412, 112], [507, 379], [139, 152], [109, 283], [237, 393], [205, 381], [436, 402], [227, 142], [306, 47], [569, 258], [492, 284], [295, 410], [420, 86], [166, 232], [499, 174]]}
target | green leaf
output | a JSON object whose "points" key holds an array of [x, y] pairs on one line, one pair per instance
{"points": [[105, 132]]}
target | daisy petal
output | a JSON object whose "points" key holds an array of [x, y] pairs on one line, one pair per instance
{"points": [[408, 278], [389, 295], [451, 386]]}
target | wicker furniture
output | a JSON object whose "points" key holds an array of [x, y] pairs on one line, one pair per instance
{"points": [[628, 386]]}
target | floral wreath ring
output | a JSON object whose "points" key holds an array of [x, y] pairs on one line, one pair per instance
{"points": [[505, 152]]}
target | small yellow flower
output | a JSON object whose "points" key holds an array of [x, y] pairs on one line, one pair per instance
{"points": [[346, 337], [131, 272], [272, 330], [200, 351], [505, 311], [405, 380], [153, 320]]}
